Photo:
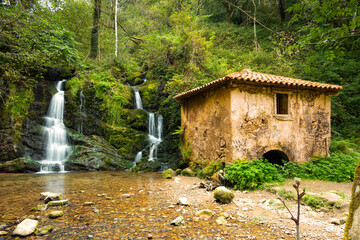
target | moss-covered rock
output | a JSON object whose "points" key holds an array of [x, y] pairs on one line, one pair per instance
{"points": [[188, 172], [144, 165], [136, 119], [178, 171], [96, 154], [20, 165], [223, 195], [169, 173], [149, 92], [56, 214], [43, 231]]}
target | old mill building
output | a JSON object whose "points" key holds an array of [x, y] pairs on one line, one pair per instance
{"points": [[250, 115]]}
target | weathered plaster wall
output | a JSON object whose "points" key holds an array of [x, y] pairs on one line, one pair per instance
{"points": [[206, 121], [256, 129]]}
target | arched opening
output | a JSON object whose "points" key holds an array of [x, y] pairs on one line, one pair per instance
{"points": [[275, 157]]}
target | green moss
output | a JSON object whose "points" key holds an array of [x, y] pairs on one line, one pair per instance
{"points": [[223, 195], [169, 173], [354, 203], [188, 172]]}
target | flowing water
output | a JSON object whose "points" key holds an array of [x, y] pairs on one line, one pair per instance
{"points": [[155, 129], [147, 208], [57, 149]]}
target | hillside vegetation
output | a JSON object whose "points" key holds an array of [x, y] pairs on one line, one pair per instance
{"points": [[177, 45]]}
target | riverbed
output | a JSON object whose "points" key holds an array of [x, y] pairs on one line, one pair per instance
{"points": [[130, 205]]}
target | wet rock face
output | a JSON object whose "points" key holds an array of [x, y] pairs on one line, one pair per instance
{"points": [[94, 153], [20, 165], [352, 228]]}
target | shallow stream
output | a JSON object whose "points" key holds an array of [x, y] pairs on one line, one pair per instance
{"points": [[126, 206]]}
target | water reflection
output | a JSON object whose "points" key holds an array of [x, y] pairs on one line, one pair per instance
{"points": [[54, 182]]}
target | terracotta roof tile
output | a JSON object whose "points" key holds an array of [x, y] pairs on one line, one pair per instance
{"points": [[248, 77]]}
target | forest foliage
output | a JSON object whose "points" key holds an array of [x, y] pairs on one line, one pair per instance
{"points": [[181, 44]]}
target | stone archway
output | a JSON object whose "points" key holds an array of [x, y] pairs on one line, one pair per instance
{"points": [[275, 157]]}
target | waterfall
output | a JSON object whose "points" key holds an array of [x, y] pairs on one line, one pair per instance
{"points": [[81, 112], [56, 149], [155, 129], [138, 102]]}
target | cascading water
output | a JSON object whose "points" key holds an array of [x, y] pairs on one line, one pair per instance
{"points": [[138, 102], [57, 149], [155, 134], [155, 129]]}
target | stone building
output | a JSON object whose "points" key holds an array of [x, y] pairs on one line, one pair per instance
{"points": [[250, 115]]}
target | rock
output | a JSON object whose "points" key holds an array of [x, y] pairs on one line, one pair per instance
{"points": [[89, 203], [330, 198], [56, 214], [183, 201], [169, 173], [149, 236], [147, 166], [221, 220], [95, 154], [127, 195], [20, 165], [39, 208], [188, 172], [58, 203], [50, 196], [205, 214], [178, 221], [223, 195], [43, 231], [3, 233], [25, 228], [178, 171], [343, 220], [335, 221]]}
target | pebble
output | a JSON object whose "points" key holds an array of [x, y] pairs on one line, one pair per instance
{"points": [[56, 214], [3, 233], [177, 221], [89, 203]]}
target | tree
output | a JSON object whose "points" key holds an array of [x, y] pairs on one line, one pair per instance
{"points": [[95, 30], [332, 24]]}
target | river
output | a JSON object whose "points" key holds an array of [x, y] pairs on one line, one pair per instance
{"points": [[126, 206]]}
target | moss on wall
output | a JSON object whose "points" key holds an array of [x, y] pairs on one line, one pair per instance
{"points": [[352, 227]]}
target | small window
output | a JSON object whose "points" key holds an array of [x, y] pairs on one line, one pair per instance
{"points": [[282, 103]]}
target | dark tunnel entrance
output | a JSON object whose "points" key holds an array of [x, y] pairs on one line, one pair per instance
{"points": [[276, 157]]}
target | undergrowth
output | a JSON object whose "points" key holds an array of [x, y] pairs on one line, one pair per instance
{"points": [[339, 167]]}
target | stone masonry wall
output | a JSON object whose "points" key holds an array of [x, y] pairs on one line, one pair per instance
{"points": [[257, 129], [206, 120]]}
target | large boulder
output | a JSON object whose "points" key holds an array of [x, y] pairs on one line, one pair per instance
{"points": [[352, 228], [20, 165], [144, 165], [25, 228], [95, 154]]}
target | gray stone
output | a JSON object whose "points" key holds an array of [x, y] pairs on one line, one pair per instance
{"points": [[50, 196], [335, 221], [25, 228], [89, 203], [177, 221]]}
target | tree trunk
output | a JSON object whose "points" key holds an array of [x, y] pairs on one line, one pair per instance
{"points": [[95, 30], [282, 10], [116, 30]]}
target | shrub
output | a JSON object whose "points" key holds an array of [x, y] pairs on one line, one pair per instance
{"points": [[252, 175]]}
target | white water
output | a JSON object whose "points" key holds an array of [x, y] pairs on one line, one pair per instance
{"points": [[138, 102], [57, 148], [155, 129], [155, 134]]}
